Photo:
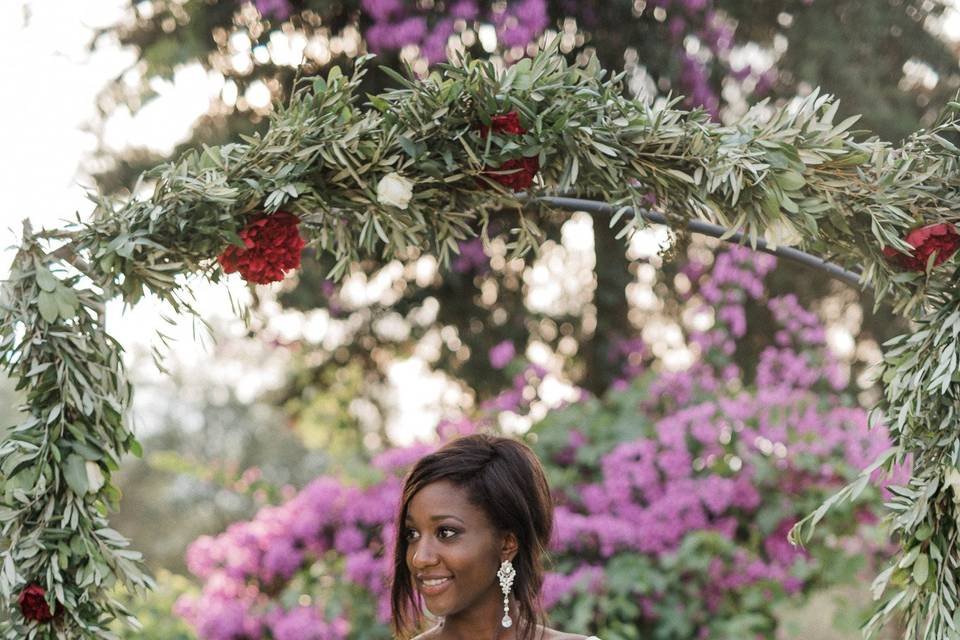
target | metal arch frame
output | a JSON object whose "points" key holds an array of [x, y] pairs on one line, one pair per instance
{"points": [[592, 207]]}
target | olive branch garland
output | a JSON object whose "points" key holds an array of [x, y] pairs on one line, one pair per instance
{"points": [[322, 159]]}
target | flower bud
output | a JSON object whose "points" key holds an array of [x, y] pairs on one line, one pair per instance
{"points": [[395, 190], [95, 479], [781, 233]]}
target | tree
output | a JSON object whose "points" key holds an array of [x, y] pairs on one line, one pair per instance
{"points": [[699, 48], [693, 46]]}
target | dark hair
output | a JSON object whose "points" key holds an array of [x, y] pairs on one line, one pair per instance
{"points": [[504, 478]]}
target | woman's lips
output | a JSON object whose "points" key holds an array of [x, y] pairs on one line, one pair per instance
{"points": [[435, 587]]}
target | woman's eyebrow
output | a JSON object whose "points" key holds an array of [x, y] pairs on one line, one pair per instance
{"points": [[437, 517], [442, 517]]}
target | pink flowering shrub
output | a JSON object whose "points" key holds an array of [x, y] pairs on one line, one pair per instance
{"points": [[674, 496], [313, 568], [396, 23]]}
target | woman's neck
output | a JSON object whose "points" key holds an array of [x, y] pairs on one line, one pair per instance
{"points": [[480, 622]]}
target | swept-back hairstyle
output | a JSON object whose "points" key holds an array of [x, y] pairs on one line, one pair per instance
{"points": [[504, 478]]}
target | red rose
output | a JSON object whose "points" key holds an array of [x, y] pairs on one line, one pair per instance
{"points": [[504, 123], [517, 173], [273, 247], [33, 606], [518, 180], [941, 238]]}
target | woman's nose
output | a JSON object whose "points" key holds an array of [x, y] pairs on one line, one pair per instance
{"points": [[424, 554]]}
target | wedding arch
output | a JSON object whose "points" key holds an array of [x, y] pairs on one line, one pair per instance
{"points": [[423, 166]]}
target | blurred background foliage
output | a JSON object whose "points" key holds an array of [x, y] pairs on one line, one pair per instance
{"points": [[886, 59], [345, 358], [675, 488]]}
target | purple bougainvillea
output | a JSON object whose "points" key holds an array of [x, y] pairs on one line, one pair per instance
{"points": [[641, 477]]}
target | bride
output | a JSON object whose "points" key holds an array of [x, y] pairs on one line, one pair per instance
{"points": [[474, 523]]}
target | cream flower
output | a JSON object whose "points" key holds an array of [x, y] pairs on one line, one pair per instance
{"points": [[952, 479], [95, 479], [395, 190], [781, 233]]}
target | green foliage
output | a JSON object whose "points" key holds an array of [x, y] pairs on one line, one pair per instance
{"points": [[856, 49], [53, 522], [154, 612], [859, 50], [675, 584]]}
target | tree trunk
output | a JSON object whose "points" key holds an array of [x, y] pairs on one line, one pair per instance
{"points": [[610, 300]]}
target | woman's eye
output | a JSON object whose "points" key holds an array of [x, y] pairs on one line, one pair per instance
{"points": [[447, 532], [410, 533]]}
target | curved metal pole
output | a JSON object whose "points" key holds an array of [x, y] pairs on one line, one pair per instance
{"points": [[698, 226]]}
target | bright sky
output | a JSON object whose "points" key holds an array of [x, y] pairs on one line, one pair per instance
{"points": [[52, 84], [56, 84], [53, 81]]}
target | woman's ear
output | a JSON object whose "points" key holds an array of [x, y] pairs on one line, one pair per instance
{"points": [[509, 546]]}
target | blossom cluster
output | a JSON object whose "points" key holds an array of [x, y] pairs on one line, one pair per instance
{"points": [[397, 24], [277, 9], [471, 259], [245, 567], [714, 33], [271, 247], [741, 462], [515, 174]]}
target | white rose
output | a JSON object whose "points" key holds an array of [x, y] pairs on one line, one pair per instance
{"points": [[394, 189], [95, 479], [781, 233], [952, 479]]}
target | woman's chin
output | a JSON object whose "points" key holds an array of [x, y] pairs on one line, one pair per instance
{"points": [[437, 605]]}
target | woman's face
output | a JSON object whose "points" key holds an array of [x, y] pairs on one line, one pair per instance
{"points": [[453, 551]]}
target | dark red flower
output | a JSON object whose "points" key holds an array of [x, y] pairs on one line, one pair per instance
{"points": [[941, 238], [505, 123], [33, 606], [521, 170], [517, 180], [273, 247]]}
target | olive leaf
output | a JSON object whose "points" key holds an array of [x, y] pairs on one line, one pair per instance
{"points": [[75, 473], [48, 306]]}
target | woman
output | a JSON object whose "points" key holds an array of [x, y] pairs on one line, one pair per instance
{"points": [[474, 523]]}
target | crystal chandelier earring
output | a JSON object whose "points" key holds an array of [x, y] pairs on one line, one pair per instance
{"points": [[506, 574]]}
